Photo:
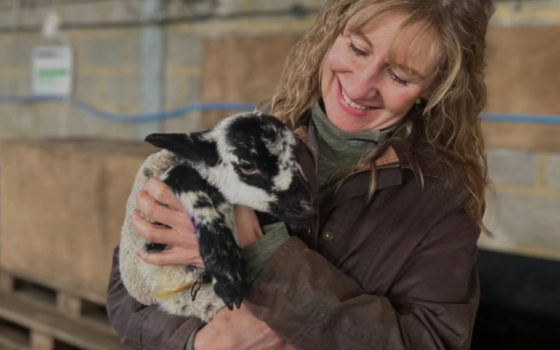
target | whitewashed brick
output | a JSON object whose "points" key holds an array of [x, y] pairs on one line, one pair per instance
{"points": [[103, 51], [183, 49], [553, 172], [190, 94], [512, 167], [123, 92], [522, 218]]}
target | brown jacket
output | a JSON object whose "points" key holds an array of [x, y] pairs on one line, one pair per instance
{"points": [[398, 273]]}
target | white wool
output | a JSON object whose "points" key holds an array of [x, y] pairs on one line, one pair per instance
{"points": [[143, 280], [236, 191]]}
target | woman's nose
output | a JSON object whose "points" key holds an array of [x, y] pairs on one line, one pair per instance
{"points": [[365, 82]]}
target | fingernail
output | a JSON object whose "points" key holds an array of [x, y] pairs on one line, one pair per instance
{"points": [[135, 214]]}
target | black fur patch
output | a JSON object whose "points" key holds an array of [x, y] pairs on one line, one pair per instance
{"points": [[222, 259], [202, 202], [193, 147], [247, 136], [206, 151], [218, 249], [183, 178], [148, 173], [155, 247]]}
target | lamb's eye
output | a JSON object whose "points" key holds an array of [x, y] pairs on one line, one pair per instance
{"points": [[248, 168]]}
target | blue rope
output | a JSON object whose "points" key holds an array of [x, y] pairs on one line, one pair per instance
{"points": [[131, 118], [522, 118], [216, 106]]}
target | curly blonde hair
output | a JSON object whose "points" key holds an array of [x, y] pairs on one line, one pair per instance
{"points": [[449, 118]]}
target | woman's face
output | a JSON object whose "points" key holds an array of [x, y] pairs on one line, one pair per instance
{"points": [[359, 88]]}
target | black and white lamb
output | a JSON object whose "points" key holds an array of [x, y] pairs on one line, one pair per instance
{"points": [[246, 159]]}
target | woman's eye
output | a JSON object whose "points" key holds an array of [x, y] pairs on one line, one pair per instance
{"points": [[396, 79], [357, 51], [248, 168]]}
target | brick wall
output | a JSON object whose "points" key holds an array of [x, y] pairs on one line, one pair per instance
{"points": [[523, 204], [524, 164], [108, 62]]}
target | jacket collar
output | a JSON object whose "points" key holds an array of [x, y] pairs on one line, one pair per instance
{"points": [[413, 153], [408, 154], [390, 176]]}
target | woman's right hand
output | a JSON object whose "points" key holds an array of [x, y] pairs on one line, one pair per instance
{"points": [[158, 203], [237, 329]]}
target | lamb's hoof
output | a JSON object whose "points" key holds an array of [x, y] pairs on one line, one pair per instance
{"points": [[231, 293]]}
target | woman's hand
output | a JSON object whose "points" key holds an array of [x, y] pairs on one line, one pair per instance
{"points": [[158, 203], [239, 330], [286, 346], [247, 226]]}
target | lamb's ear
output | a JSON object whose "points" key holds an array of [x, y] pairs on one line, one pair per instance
{"points": [[194, 146]]}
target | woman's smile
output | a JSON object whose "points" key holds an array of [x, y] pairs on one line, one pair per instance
{"points": [[352, 107]]}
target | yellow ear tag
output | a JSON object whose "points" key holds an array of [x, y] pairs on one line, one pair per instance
{"points": [[182, 287]]}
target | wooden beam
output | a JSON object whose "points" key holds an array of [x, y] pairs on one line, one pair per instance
{"points": [[69, 305], [13, 338], [523, 136], [50, 322], [7, 282], [41, 341]]}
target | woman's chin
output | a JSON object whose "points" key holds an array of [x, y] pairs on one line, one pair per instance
{"points": [[352, 123]]}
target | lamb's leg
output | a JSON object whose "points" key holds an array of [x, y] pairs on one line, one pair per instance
{"points": [[223, 262]]}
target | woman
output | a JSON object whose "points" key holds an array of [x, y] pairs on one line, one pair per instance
{"points": [[385, 96]]}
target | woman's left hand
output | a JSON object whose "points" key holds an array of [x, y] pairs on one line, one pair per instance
{"points": [[286, 346], [247, 226], [158, 203]]}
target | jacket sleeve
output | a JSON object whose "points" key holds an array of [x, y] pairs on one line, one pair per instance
{"points": [[312, 305], [144, 327]]}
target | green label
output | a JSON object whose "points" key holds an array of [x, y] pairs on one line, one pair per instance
{"points": [[49, 73]]}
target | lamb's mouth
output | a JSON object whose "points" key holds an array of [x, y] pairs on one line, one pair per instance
{"points": [[294, 216]]}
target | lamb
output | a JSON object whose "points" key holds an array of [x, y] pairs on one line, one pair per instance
{"points": [[246, 159]]}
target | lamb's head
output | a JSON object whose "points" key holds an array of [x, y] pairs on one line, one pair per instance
{"points": [[250, 157]]}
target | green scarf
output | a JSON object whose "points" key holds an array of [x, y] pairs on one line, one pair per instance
{"points": [[340, 151]]}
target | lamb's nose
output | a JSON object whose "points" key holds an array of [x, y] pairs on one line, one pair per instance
{"points": [[306, 206]]}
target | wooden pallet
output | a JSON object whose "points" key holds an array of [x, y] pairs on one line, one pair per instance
{"points": [[34, 317]]}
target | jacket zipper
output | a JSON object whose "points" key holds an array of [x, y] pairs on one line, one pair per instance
{"points": [[386, 166]]}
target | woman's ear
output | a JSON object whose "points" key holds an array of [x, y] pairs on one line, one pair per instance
{"points": [[428, 90], [426, 93]]}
